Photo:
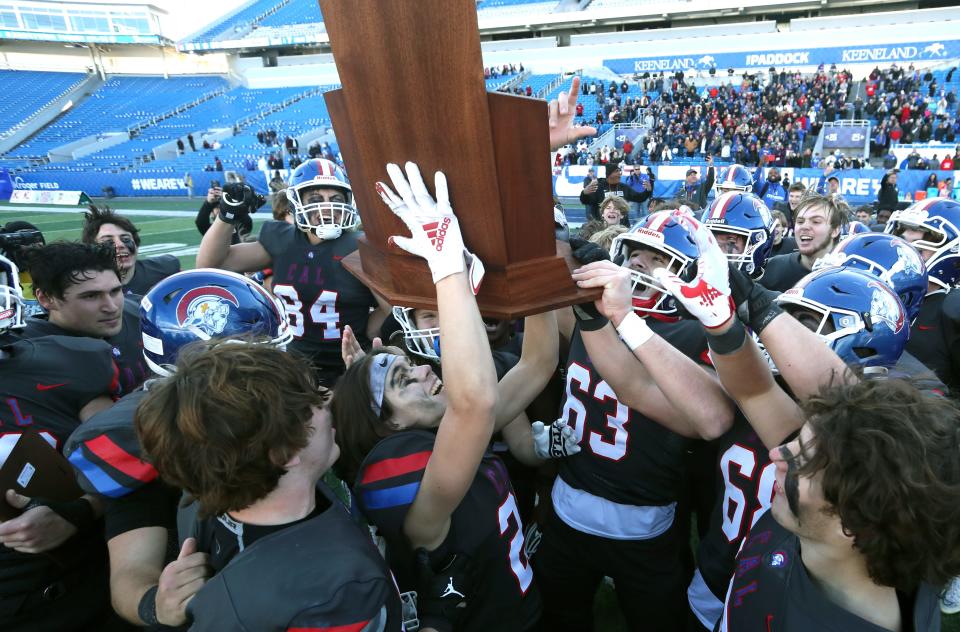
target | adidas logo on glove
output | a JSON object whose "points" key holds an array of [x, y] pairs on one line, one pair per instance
{"points": [[437, 231]]}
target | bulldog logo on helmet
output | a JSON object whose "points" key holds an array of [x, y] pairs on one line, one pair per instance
{"points": [[884, 308], [206, 308]]}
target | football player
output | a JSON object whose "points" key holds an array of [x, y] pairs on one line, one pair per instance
{"points": [[743, 227], [103, 226], [932, 226], [415, 448], [816, 228], [53, 567], [140, 517], [734, 178], [320, 296], [756, 597], [80, 287], [245, 430], [634, 398]]}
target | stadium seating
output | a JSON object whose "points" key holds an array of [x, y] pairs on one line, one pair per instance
{"points": [[23, 93], [121, 103], [237, 22], [293, 12]]}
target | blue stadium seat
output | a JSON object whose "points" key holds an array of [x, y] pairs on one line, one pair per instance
{"points": [[23, 93]]}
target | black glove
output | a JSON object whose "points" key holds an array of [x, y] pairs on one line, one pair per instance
{"points": [[589, 317], [756, 305], [442, 595], [237, 202], [586, 251]]}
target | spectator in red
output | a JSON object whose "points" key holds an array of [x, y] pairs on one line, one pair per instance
{"points": [[947, 163], [871, 89], [579, 109], [628, 148], [529, 91]]}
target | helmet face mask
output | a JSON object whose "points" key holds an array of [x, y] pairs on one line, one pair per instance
{"points": [[424, 342], [662, 233], [203, 304], [314, 212], [11, 297], [746, 215], [939, 220]]}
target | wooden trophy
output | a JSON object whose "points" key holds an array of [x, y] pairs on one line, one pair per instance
{"points": [[413, 90]]}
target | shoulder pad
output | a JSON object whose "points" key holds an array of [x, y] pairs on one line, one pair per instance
{"points": [[106, 452]]}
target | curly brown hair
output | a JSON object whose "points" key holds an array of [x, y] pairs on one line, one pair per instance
{"points": [[889, 456], [97, 216], [225, 424]]}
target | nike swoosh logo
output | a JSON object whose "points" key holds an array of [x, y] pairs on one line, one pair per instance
{"points": [[47, 387], [925, 328]]}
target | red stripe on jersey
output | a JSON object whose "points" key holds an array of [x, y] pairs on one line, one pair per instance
{"points": [[106, 449], [390, 468], [350, 627], [115, 382]]}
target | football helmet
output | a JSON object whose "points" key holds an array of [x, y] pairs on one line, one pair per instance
{"points": [[734, 178], [11, 297], [666, 232], [855, 313], [939, 218], [422, 342], [853, 227], [890, 259], [202, 304], [326, 220], [743, 214]]}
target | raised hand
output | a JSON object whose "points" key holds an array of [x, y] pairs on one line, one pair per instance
{"points": [[561, 113], [707, 296], [434, 229]]}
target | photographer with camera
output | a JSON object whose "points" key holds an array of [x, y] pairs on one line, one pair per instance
{"points": [[242, 200], [14, 237], [103, 226]]}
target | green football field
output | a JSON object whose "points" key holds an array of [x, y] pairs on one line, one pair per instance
{"points": [[167, 227]]}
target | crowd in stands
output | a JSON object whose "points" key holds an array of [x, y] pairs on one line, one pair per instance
{"points": [[909, 107], [239, 432]]}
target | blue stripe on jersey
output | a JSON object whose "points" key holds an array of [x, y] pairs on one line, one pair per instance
{"points": [[100, 480], [390, 497]]}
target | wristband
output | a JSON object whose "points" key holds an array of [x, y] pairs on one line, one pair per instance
{"points": [[147, 609], [634, 331], [77, 512], [729, 341], [589, 317], [764, 316]]}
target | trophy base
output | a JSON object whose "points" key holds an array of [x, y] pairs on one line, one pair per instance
{"points": [[529, 287]]}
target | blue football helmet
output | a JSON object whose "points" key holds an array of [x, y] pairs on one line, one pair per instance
{"points": [[326, 220], [939, 219], [855, 313], [665, 232], [202, 304], [890, 259], [743, 214], [11, 297], [853, 227], [734, 178], [422, 342]]}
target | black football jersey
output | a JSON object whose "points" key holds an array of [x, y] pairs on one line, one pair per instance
{"points": [[624, 457], [772, 591], [485, 526], [106, 452], [782, 272], [127, 346], [148, 272], [745, 491], [323, 573], [47, 381], [44, 383], [935, 336], [320, 296]]}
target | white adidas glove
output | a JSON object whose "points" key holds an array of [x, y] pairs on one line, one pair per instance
{"points": [[707, 297], [554, 441], [434, 229]]}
